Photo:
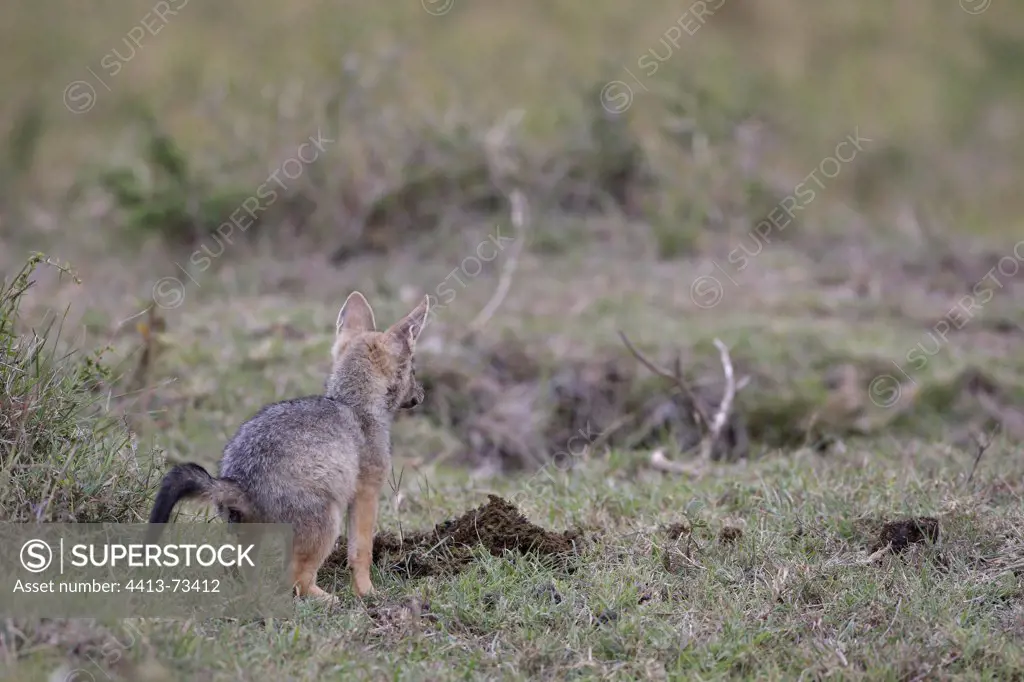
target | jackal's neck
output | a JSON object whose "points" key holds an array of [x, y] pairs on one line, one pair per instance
{"points": [[373, 417], [354, 394], [355, 389]]}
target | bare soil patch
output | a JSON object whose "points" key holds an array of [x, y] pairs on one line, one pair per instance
{"points": [[898, 535], [446, 549]]}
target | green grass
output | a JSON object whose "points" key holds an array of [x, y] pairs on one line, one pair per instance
{"points": [[791, 595], [64, 455]]}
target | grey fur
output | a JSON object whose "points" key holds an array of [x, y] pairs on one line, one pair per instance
{"points": [[311, 461]]}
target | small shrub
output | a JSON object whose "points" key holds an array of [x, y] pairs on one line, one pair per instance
{"points": [[62, 456], [171, 199]]}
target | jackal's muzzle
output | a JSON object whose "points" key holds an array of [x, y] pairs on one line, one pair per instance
{"points": [[415, 397]]}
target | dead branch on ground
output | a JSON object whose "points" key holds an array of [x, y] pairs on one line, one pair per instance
{"points": [[726, 405], [676, 377], [662, 463], [712, 426]]}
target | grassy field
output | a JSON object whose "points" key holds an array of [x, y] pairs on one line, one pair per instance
{"points": [[830, 190]]}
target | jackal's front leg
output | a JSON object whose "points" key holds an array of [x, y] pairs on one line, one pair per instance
{"points": [[362, 520]]}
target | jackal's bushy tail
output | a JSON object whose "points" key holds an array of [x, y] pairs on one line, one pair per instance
{"points": [[191, 481]]}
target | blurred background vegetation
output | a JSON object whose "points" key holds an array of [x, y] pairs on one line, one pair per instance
{"points": [[236, 85]]}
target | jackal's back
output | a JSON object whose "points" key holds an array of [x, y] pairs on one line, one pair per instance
{"points": [[296, 458]]}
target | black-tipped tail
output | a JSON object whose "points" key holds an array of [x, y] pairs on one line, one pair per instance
{"points": [[191, 481], [183, 482]]}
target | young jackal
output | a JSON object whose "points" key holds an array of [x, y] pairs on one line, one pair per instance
{"points": [[309, 461]]}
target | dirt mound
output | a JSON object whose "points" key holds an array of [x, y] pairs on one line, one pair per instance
{"points": [[448, 547], [730, 534], [499, 526], [898, 535]]}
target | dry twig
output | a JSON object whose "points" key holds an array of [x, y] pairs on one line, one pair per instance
{"points": [[983, 445], [875, 556], [714, 426], [502, 166], [726, 405], [677, 378], [519, 217], [662, 463]]}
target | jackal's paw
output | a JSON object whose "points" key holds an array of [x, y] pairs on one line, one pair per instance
{"points": [[316, 594], [328, 599], [362, 587], [323, 600]]}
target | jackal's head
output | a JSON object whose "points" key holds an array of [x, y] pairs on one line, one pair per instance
{"points": [[375, 371]]}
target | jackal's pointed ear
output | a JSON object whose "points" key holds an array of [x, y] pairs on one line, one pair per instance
{"points": [[355, 316], [411, 326]]}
